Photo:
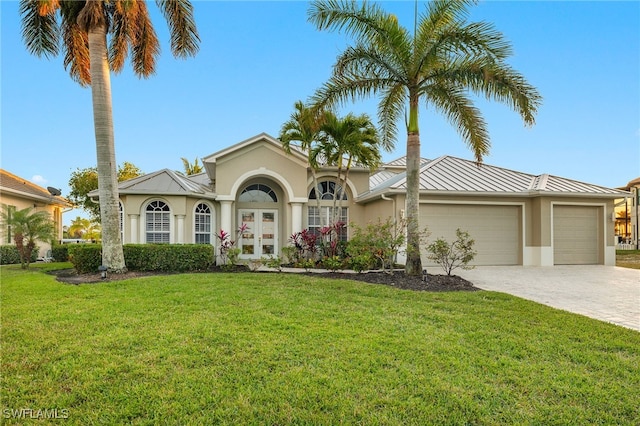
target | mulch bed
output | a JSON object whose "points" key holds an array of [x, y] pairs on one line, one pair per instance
{"points": [[398, 279]]}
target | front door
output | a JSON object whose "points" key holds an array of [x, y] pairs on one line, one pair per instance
{"points": [[260, 235]]}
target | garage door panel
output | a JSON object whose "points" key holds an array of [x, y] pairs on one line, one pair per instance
{"points": [[576, 235], [495, 229]]}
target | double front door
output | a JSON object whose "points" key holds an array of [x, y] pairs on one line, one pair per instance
{"points": [[260, 233]]}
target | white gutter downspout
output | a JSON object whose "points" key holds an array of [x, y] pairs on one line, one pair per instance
{"points": [[384, 197]]}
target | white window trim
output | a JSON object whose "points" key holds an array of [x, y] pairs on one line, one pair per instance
{"points": [[212, 231], [144, 225]]}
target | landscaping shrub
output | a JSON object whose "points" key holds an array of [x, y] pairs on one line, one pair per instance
{"points": [[9, 255], [455, 255], [168, 257], [60, 253], [375, 246], [86, 258]]}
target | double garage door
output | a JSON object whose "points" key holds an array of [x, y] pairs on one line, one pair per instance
{"points": [[496, 229]]}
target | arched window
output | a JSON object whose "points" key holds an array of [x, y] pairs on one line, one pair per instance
{"points": [[258, 193], [202, 224], [328, 190], [317, 218], [158, 222]]}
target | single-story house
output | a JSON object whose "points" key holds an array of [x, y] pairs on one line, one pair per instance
{"points": [[515, 218], [18, 193]]}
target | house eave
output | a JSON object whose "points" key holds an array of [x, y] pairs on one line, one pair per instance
{"points": [[48, 200], [368, 197]]}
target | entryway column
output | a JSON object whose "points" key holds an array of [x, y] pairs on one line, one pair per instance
{"points": [[225, 216], [180, 228], [133, 225], [296, 217]]}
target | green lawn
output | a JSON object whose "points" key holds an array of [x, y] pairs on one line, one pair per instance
{"points": [[281, 349], [628, 258]]}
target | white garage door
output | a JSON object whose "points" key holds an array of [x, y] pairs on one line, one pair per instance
{"points": [[576, 235], [495, 229]]}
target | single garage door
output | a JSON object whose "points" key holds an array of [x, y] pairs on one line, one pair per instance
{"points": [[496, 230], [576, 235]]}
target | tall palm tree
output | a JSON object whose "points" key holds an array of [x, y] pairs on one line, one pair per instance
{"points": [[28, 227], [444, 60], [82, 28]]}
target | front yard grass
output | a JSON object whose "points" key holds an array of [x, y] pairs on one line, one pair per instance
{"points": [[628, 258], [258, 348]]}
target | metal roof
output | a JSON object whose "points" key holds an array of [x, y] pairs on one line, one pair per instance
{"points": [[453, 174], [164, 182]]}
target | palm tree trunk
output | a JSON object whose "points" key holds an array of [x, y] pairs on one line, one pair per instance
{"points": [[314, 176], [112, 253], [413, 265]]}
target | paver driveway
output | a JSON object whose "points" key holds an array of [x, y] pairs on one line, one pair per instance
{"points": [[607, 293]]}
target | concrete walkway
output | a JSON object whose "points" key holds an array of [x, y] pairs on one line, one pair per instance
{"points": [[606, 293]]}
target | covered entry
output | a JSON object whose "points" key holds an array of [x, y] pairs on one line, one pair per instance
{"points": [[258, 219], [577, 234], [496, 229]]}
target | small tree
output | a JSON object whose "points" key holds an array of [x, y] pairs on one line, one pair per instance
{"points": [[83, 181], [28, 226], [455, 255]]}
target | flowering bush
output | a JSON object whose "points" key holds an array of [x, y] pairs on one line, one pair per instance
{"points": [[229, 253]]}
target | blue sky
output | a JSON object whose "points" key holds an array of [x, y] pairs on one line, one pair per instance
{"points": [[257, 58]]}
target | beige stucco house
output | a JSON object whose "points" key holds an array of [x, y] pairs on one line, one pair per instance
{"points": [[18, 193], [515, 218]]}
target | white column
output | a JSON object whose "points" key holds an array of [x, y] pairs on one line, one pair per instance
{"points": [[133, 225], [225, 216], [180, 228], [296, 217]]}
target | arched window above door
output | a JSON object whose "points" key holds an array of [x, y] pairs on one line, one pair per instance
{"points": [[258, 193]]}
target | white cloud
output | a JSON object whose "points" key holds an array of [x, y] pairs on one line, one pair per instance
{"points": [[38, 180]]}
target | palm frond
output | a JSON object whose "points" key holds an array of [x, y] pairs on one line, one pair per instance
{"points": [[390, 108], [455, 105], [496, 81], [145, 47], [40, 33], [182, 27], [76, 51]]}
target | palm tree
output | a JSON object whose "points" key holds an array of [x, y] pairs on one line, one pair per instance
{"points": [[444, 60], [303, 127], [82, 28], [345, 141], [189, 168], [28, 227], [84, 228]]}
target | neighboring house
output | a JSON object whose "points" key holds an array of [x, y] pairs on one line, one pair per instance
{"points": [[628, 216], [515, 218], [18, 193]]}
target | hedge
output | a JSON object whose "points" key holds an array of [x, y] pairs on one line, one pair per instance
{"points": [[9, 255], [60, 253], [168, 257], [86, 258]]}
